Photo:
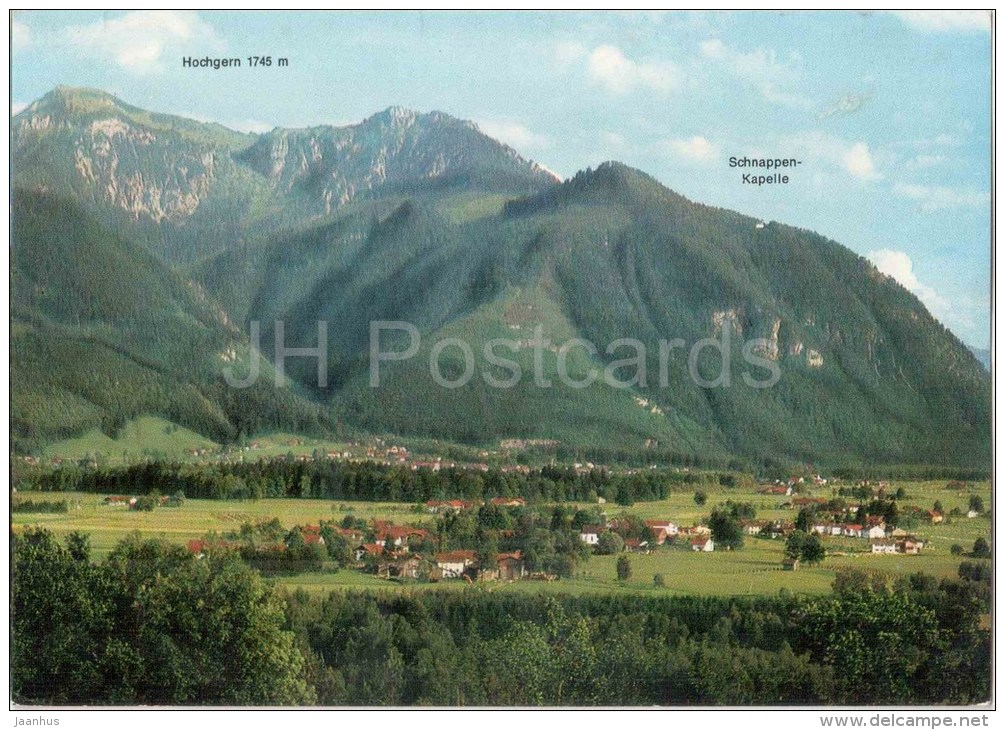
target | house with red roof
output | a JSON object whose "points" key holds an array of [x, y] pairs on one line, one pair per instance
{"points": [[370, 549], [634, 545], [312, 534], [662, 530], [399, 535], [852, 530]]}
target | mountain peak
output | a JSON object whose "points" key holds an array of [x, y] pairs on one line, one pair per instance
{"points": [[72, 100], [394, 116], [610, 183]]}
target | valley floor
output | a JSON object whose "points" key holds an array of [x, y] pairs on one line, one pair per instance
{"points": [[756, 569]]}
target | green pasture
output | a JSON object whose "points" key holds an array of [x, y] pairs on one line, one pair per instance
{"points": [[755, 569], [149, 437]]}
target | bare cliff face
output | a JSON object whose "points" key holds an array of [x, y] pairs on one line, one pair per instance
{"points": [[155, 170], [119, 162], [91, 147], [395, 149]]}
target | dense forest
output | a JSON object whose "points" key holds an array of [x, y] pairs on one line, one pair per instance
{"points": [[367, 480], [323, 478], [152, 624]]}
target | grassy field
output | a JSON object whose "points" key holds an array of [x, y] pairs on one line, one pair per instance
{"points": [[142, 437], [756, 569], [152, 437]]}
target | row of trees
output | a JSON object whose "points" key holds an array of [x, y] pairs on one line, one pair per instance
{"points": [[335, 479]]}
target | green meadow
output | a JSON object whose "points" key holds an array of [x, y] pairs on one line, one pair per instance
{"points": [[149, 437], [755, 569]]}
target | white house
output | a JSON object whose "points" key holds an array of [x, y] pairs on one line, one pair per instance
{"points": [[590, 534], [884, 546], [753, 527], [703, 545], [876, 532], [454, 563]]}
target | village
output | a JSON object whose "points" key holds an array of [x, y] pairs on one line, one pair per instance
{"points": [[500, 539]]}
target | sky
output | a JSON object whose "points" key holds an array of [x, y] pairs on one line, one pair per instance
{"points": [[889, 113]]}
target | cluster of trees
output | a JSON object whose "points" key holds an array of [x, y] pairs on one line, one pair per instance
{"points": [[267, 546], [151, 624], [885, 508], [148, 625], [39, 506], [336, 479], [522, 650], [807, 547], [724, 522], [474, 648], [548, 538], [865, 492]]}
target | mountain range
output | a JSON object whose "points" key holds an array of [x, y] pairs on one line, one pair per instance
{"points": [[147, 249]]}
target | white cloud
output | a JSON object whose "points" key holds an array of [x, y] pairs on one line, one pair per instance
{"points": [[617, 73], [558, 176], [858, 162], [762, 69], [695, 149], [20, 36], [138, 40], [514, 134], [936, 197], [854, 158], [17, 107], [935, 21], [898, 265]]}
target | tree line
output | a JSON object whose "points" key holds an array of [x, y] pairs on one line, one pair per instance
{"points": [[368, 480], [152, 624]]}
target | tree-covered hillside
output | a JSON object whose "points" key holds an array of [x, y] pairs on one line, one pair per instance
{"points": [[866, 374], [150, 248], [101, 331]]}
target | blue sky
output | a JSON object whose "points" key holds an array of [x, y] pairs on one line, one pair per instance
{"points": [[889, 112]]}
